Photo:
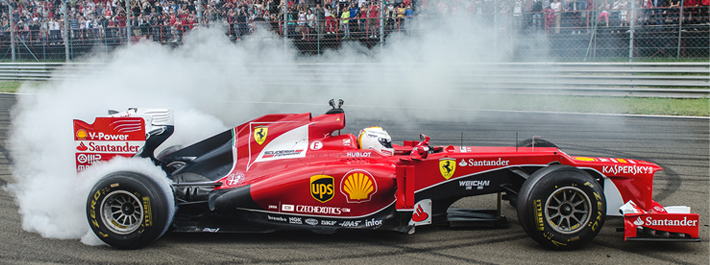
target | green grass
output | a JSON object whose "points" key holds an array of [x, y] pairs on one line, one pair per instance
{"points": [[12, 86], [612, 105], [9, 86]]}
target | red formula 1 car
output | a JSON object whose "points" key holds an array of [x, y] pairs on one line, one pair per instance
{"points": [[296, 171]]}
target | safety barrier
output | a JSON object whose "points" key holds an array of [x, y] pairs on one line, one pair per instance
{"points": [[675, 80]]}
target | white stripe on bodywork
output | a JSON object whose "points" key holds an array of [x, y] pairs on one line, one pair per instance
{"points": [[613, 198], [319, 216]]}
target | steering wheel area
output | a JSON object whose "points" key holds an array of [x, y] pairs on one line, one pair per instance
{"points": [[422, 149]]}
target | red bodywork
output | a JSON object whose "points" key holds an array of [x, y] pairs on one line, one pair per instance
{"points": [[298, 165], [107, 138]]}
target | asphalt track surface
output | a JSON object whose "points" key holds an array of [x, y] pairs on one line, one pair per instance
{"points": [[679, 145]]}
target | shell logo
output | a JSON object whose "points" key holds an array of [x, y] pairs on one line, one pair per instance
{"points": [[81, 134], [358, 186]]}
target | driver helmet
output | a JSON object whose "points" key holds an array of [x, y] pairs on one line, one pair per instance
{"points": [[375, 138]]}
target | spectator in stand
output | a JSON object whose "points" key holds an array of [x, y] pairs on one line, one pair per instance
{"points": [[604, 8], [329, 20], [231, 16], [301, 27], [34, 30], [623, 13], [354, 12], [374, 19], [527, 13], [241, 22], [121, 20], [310, 21], [43, 30], [345, 20], [390, 14], [400, 15], [549, 18], [575, 9], [691, 11], [82, 28], [53, 31], [537, 15], [673, 10], [647, 11], [557, 8], [319, 18], [517, 14], [408, 14], [74, 25], [363, 14], [659, 7]]}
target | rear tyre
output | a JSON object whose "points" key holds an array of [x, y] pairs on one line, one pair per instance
{"points": [[561, 207], [128, 210]]}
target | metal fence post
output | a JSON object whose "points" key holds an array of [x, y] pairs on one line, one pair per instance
{"points": [[199, 20], [199, 13], [680, 27], [318, 30], [66, 31], [128, 22], [285, 8], [382, 22], [632, 25], [495, 29], [12, 30]]}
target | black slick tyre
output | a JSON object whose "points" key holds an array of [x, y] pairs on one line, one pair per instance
{"points": [[129, 210], [561, 207], [536, 142]]}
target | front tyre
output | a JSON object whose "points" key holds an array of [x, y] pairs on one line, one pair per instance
{"points": [[561, 207], [128, 210]]}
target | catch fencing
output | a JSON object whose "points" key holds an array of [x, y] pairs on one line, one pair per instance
{"points": [[576, 32], [672, 80]]}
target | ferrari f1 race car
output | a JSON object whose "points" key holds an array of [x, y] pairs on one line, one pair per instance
{"points": [[297, 171]]}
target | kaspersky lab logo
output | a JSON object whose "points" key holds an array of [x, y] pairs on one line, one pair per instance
{"points": [[260, 134], [447, 167]]}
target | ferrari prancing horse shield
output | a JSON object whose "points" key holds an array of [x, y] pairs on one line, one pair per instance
{"points": [[260, 134], [447, 166]]}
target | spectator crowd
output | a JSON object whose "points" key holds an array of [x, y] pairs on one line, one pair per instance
{"points": [[167, 20]]}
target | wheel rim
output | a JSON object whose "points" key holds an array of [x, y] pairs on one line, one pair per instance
{"points": [[121, 212], [567, 210]]}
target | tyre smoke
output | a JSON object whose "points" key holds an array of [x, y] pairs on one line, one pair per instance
{"points": [[212, 84]]}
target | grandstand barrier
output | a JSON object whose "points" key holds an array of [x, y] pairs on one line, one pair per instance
{"points": [[593, 34]]}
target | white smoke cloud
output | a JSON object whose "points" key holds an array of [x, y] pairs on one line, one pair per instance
{"points": [[211, 85]]}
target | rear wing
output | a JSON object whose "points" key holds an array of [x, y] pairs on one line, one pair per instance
{"points": [[136, 132]]}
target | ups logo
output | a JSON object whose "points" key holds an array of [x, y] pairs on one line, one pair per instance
{"points": [[322, 188]]}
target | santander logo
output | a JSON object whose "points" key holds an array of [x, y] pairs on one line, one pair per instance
{"points": [[419, 215], [666, 222], [81, 147], [638, 221]]}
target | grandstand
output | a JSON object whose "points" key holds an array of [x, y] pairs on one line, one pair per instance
{"points": [[576, 30]]}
